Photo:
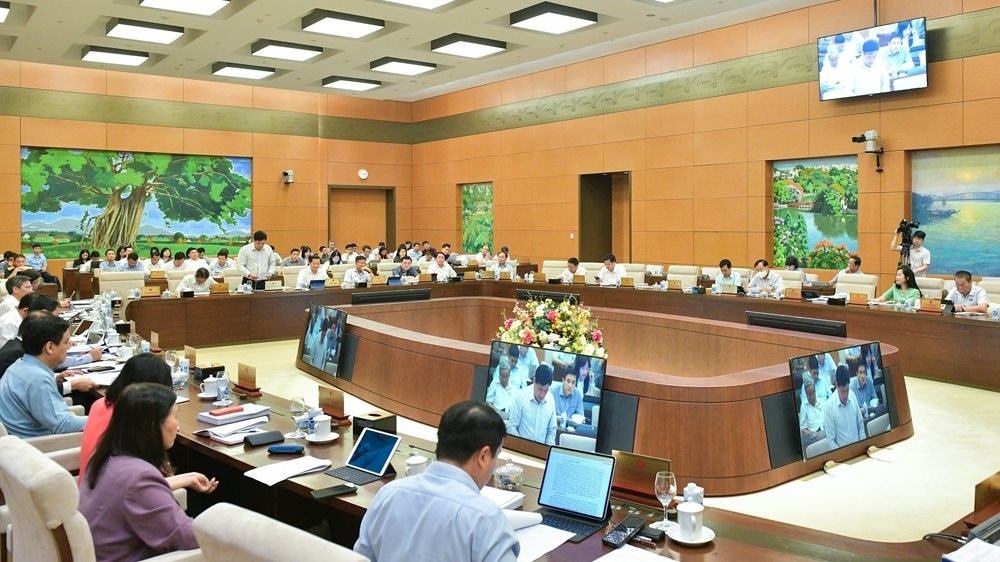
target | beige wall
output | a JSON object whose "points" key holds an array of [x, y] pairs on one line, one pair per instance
{"points": [[699, 170]]}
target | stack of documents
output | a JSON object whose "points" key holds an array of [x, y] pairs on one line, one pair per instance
{"points": [[505, 499], [233, 433], [249, 411], [273, 473]]}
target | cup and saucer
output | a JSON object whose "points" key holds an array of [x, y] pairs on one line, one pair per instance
{"points": [[707, 535], [207, 395], [317, 440]]}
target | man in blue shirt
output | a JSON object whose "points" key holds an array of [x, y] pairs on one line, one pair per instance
{"points": [[569, 399], [38, 262], [532, 413], [32, 405], [862, 386], [132, 263], [842, 415], [440, 514]]}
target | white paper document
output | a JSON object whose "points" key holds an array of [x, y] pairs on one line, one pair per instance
{"points": [[538, 540], [506, 499], [233, 433], [522, 519], [974, 551], [274, 473]]}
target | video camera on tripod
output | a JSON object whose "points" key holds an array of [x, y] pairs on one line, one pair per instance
{"points": [[905, 229]]}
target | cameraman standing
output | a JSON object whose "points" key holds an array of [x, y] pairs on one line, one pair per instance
{"points": [[919, 256]]}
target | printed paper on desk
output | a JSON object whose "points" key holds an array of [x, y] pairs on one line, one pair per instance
{"points": [[506, 499], [273, 473], [231, 428], [629, 553], [538, 540]]}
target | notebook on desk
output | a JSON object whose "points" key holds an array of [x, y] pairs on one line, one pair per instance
{"points": [[371, 458], [570, 503]]}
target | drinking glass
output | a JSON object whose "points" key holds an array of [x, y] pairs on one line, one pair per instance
{"points": [[665, 487], [170, 357], [297, 408]]}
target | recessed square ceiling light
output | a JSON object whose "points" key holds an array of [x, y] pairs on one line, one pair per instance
{"points": [[113, 56], [552, 18], [282, 50], [467, 46], [340, 24], [247, 71], [4, 10], [353, 84], [142, 31], [200, 7], [425, 4], [401, 66]]}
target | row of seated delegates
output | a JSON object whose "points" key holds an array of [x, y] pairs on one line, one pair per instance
{"points": [[440, 514], [126, 491], [827, 401]]}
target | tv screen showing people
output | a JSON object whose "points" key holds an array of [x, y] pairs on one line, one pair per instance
{"points": [[547, 396], [323, 336], [840, 397], [886, 58]]}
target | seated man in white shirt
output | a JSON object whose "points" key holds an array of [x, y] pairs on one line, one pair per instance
{"points": [[350, 253], [726, 274], [611, 274], [501, 391], [312, 273], [360, 274], [966, 296], [178, 263], [763, 281], [503, 267], [153, 263], [572, 268], [199, 281], [853, 266], [452, 258], [532, 413], [221, 264], [441, 268], [195, 261]]}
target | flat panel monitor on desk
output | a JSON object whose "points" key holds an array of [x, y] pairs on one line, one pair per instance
{"points": [[570, 420], [835, 328], [323, 338], [831, 416]]}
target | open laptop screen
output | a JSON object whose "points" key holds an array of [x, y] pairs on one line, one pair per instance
{"points": [[373, 451], [577, 482]]}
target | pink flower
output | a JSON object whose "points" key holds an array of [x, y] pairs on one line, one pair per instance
{"points": [[551, 315], [508, 323], [598, 336], [527, 336]]}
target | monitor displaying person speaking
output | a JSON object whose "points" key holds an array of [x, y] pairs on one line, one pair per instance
{"points": [[547, 396], [840, 397], [323, 338], [877, 60]]}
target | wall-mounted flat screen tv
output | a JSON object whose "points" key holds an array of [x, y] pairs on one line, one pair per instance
{"points": [[547, 396], [840, 397], [885, 58], [323, 338]]}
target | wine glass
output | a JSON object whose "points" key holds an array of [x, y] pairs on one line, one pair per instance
{"points": [[665, 487], [170, 357], [297, 408]]}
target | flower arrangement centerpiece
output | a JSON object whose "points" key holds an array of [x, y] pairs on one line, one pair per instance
{"points": [[549, 324]]}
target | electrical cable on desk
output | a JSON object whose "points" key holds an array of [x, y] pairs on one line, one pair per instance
{"points": [[957, 538]]}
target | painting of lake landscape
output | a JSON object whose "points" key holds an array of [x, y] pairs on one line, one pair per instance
{"points": [[956, 200], [816, 211], [98, 199]]}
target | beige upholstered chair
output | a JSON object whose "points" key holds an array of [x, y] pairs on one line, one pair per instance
{"points": [[931, 287], [816, 448], [174, 278], [637, 271], [686, 274], [45, 523], [712, 272], [878, 425], [63, 448], [226, 533], [385, 267], [121, 281], [992, 289], [654, 269], [791, 279], [812, 277], [338, 271], [232, 277], [290, 274], [592, 267], [857, 283], [552, 268], [578, 442], [745, 273]]}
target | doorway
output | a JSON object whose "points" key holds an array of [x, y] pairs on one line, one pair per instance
{"points": [[605, 216], [362, 215]]}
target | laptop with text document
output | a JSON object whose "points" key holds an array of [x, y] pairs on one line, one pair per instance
{"points": [[575, 491], [370, 459]]}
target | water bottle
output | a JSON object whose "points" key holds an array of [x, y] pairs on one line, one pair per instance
{"points": [[906, 306], [995, 313], [222, 388], [479, 276]]}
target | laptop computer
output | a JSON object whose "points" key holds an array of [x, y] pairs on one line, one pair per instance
{"points": [[394, 281], [370, 459], [317, 284], [565, 503]]}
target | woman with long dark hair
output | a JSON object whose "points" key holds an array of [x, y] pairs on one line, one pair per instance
{"points": [[125, 496], [905, 288]]}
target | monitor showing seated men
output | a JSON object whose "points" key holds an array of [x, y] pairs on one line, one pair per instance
{"points": [[544, 395], [323, 337]]}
